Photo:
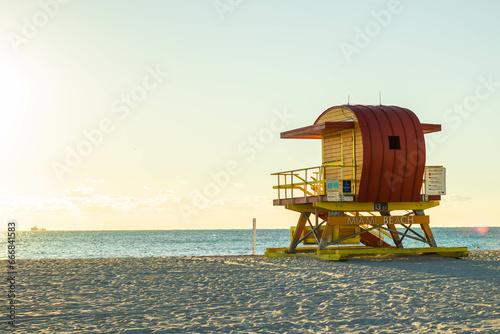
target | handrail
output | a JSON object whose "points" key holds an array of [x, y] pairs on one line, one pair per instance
{"points": [[288, 186], [328, 164], [299, 180], [316, 186], [294, 170]]}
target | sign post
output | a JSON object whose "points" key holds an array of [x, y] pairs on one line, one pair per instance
{"points": [[254, 236]]}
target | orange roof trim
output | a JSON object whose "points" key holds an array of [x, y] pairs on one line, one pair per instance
{"points": [[317, 130], [430, 128]]}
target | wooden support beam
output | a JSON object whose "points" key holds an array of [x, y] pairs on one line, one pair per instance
{"points": [[327, 232], [300, 207], [379, 220], [395, 236], [353, 206], [297, 234], [342, 253], [426, 229], [428, 235]]}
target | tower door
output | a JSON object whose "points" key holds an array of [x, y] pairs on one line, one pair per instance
{"points": [[338, 155]]}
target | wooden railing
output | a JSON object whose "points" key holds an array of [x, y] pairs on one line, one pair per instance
{"points": [[304, 182], [308, 182]]}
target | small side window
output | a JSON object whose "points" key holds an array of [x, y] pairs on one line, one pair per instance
{"points": [[394, 143]]}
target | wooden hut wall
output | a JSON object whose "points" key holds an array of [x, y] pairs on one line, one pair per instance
{"points": [[332, 154]]}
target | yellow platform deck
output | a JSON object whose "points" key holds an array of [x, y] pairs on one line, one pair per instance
{"points": [[343, 253]]}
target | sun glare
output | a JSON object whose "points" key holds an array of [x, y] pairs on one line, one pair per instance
{"points": [[480, 230], [10, 87], [11, 94]]}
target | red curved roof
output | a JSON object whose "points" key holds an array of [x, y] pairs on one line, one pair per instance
{"points": [[389, 175]]}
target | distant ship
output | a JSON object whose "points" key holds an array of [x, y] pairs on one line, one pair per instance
{"points": [[36, 229]]}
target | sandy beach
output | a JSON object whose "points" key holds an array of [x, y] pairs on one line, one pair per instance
{"points": [[254, 294]]}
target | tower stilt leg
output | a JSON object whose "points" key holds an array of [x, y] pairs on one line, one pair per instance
{"points": [[392, 227], [428, 235], [395, 236], [427, 230], [327, 232], [297, 234]]}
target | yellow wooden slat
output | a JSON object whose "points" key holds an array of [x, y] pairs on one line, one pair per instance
{"points": [[353, 206]]}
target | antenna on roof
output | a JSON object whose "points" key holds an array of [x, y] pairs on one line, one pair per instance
{"points": [[380, 97], [348, 97]]}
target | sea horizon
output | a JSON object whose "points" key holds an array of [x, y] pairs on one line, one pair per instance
{"points": [[217, 229], [209, 242]]}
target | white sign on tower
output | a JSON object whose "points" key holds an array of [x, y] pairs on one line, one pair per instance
{"points": [[435, 181]]}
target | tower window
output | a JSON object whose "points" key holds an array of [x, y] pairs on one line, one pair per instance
{"points": [[394, 143]]}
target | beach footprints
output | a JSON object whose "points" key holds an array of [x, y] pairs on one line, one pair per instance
{"points": [[242, 294]]}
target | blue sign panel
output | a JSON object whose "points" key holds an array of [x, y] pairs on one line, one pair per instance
{"points": [[346, 186]]}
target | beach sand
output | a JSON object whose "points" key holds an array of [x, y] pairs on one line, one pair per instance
{"points": [[411, 294]]}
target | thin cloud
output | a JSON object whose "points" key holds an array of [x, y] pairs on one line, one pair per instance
{"points": [[460, 198], [94, 180]]}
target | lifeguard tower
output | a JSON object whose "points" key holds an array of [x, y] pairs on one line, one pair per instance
{"points": [[372, 180]]}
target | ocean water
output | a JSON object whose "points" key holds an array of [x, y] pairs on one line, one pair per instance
{"points": [[112, 244]]}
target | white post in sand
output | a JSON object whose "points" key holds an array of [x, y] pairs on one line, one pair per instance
{"points": [[254, 235]]}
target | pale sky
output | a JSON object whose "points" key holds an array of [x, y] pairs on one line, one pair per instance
{"points": [[115, 114]]}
